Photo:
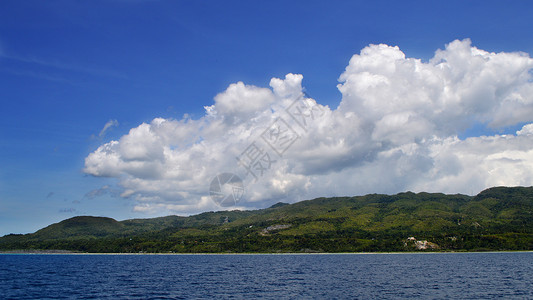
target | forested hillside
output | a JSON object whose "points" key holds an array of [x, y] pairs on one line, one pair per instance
{"points": [[499, 218]]}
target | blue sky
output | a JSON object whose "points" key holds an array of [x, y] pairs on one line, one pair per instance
{"points": [[69, 67]]}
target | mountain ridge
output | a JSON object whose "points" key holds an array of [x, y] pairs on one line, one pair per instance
{"points": [[499, 218]]}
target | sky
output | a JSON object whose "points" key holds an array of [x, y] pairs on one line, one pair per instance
{"points": [[130, 109]]}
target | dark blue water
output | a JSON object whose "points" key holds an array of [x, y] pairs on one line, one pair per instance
{"points": [[459, 276]]}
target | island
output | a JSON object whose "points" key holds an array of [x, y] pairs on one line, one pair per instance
{"points": [[497, 219]]}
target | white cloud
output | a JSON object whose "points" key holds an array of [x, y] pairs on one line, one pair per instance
{"points": [[526, 130], [107, 126], [395, 129], [239, 103]]}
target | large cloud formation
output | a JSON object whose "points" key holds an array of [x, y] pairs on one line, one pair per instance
{"points": [[395, 129]]}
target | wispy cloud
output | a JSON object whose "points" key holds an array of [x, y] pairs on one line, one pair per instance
{"points": [[58, 65], [107, 126], [40, 75], [105, 190], [70, 210]]}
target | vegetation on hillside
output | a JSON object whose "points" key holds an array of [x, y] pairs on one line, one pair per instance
{"points": [[496, 219]]}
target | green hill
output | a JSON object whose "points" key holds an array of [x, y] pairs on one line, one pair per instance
{"points": [[499, 218]]}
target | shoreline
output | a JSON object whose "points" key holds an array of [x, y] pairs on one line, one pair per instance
{"points": [[64, 252]]}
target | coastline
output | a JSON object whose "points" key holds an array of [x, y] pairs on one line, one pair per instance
{"points": [[65, 252]]}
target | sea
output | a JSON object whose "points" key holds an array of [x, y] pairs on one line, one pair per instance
{"points": [[507, 275]]}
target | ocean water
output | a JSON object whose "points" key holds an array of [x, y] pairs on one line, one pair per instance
{"points": [[307, 276]]}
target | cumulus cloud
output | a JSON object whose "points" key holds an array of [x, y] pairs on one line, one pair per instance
{"points": [[526, 130], [395, 129], [239, 102]]}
